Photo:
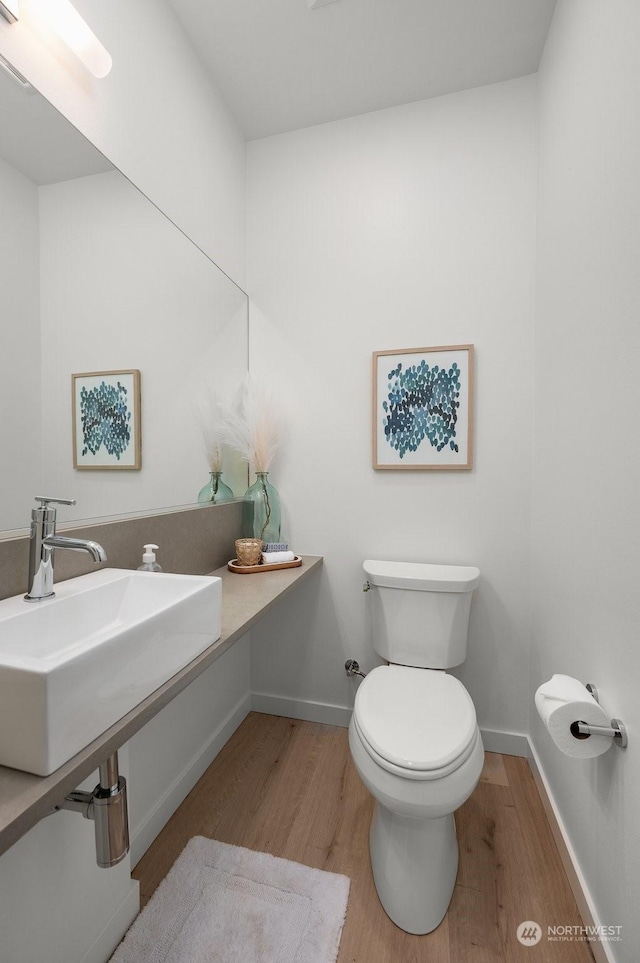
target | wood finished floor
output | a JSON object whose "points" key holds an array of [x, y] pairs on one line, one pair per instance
{"points": [[290, 788]]}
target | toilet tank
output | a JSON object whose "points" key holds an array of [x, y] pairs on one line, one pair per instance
{"points": [[420, 612]]}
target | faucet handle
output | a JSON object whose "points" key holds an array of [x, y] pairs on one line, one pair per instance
{"points": [[45, 500], [44, 513]]}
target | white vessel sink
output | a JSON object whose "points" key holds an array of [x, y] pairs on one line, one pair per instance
{"points": [[73, 665]]}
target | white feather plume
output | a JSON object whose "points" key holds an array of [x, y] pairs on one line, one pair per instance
{"points": [[210, 418], [250, 426]]}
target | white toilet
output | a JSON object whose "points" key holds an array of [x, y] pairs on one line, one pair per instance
{"points": [[414, 737]]}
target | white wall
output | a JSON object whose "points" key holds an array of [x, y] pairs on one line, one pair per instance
{"points": [[20, 352], [586, 517], [157, 116], [407, 227]]}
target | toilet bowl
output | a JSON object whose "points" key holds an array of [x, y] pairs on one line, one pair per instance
{"points": [[419, 770], [414, 736]]}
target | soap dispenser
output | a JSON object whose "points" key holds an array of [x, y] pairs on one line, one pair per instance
{"points": [[149, 563]]}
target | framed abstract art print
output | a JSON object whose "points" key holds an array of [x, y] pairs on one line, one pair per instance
{"points": [[423, 408], [106, 420]]}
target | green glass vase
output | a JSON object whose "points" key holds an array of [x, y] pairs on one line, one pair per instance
{"points": [[215, 490], [261, 514]]}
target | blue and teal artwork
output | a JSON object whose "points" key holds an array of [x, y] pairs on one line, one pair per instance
{"points": [[106, 424], [106, 419], [422, 404], [423, 408]]}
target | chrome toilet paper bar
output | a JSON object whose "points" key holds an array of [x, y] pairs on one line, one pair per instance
{"points": [[616, 731]]}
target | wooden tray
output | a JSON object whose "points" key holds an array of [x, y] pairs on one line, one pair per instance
{"points": [[253, 569]]}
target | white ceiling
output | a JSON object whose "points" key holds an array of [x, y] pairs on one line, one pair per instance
{"points": [[282, 65]]}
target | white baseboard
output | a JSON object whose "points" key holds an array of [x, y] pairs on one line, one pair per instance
{"points": [[507, 743], [143, 835], [301, 709], [601, 951], [117, 926]]}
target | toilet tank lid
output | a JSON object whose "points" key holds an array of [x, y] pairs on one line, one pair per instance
{"points": [[422, 576]]}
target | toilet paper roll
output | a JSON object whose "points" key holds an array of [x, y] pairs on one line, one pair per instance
{"points": [[563, 700]]}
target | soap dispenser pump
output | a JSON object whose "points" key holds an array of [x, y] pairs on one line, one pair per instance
{"points": [[149, 563]]}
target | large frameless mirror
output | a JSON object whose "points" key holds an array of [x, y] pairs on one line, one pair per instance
{"points": [[95, 279]]}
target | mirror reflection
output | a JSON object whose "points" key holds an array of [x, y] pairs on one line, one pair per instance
{"points": [[94, 278]]}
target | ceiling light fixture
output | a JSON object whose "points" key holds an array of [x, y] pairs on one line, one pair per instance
{"points": [[9, 10], [66, 22], [15, 75]]}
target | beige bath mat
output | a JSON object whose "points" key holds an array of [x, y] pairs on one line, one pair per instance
{"points": [[231, 905]]}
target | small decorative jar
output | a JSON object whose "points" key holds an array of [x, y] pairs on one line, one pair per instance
{"points": [[248, 551]]}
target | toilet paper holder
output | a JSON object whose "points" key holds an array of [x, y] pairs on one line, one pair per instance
{"points": [[617, 731]]}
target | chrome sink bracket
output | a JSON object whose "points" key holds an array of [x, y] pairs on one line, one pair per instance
{"points": [[107, 807]]}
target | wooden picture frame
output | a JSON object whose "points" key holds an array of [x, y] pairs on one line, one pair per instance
{"points": [[106, 420], [423, 408]]}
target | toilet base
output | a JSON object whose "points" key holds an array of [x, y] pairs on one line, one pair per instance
{"points": [[414, 862]]}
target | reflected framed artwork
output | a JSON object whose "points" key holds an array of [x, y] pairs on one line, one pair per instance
{"points": [[423, 408], [106, 420]]}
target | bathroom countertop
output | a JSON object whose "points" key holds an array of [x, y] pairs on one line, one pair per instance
{"points": [[25, 799]]}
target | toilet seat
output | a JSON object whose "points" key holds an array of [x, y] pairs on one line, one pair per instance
{"points": [[417, 723]]}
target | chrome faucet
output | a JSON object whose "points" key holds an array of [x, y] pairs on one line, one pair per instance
{"points": [[42, 542]]}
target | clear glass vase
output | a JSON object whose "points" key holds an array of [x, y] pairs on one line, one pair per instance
{"points": [[261, 515], [215, 490]]}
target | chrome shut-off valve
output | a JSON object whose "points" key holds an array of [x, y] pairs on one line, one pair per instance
{"points": [[352, 667]]}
